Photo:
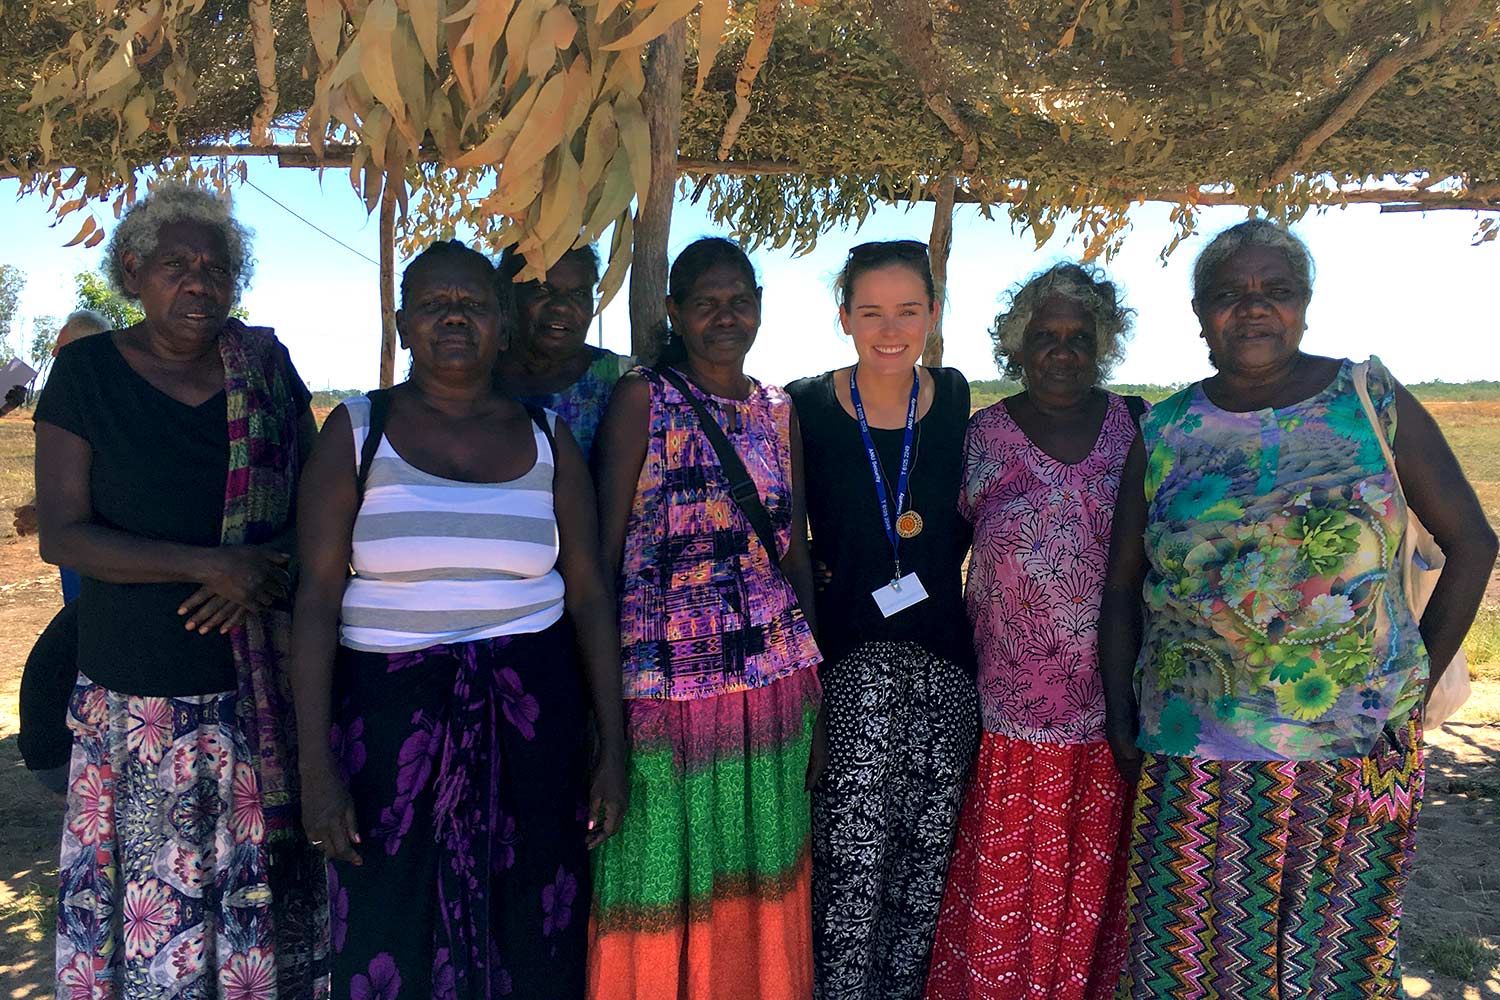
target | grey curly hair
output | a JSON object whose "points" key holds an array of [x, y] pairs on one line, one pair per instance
{"points": [[170, 202], [1252, 233], [1078, 283]]}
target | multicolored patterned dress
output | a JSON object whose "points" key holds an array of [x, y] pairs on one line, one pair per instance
{"points": [[1280, 685], [183, 870], [704, 892], [582, 403], [1034, 904]]}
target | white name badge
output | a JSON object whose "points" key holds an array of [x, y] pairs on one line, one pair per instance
{"points": [[900, 594]]}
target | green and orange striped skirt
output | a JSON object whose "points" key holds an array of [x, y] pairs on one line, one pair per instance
{"points": [[705, 891]]}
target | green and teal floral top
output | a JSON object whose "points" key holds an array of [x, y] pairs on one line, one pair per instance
{"points": [[1276, 623], [582, 403]]}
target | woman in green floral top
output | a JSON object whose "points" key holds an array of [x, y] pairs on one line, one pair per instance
{"points": [[1270, 697], [551, 363]]}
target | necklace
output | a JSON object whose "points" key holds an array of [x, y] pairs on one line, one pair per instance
{"points": [[909, 523], [891, 524]]}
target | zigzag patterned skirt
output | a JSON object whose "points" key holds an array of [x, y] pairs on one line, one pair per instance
{"points": [[1273, 879]]}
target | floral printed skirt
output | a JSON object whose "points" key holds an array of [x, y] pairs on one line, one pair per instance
{"points": [[1035, 905], [1273, 879], [467, 764], [168, 886], [705, 891]]}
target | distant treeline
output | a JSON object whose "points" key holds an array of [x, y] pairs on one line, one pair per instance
{"points": [[987, 391], [327, 399]]}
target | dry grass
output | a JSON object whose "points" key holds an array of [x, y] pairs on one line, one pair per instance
{"points": [[17, 451], [1483, 705]]}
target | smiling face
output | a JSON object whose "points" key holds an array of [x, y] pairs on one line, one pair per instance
{"points": [[185, 285], [450, 320], [719, 318], [888, 316], [1060, 351], [1253, 312], [555, 313]]}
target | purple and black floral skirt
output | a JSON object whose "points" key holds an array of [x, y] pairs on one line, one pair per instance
{"points": [[468, 765]]}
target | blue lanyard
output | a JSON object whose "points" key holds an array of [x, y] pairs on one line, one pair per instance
{"points": [[887, 519]]}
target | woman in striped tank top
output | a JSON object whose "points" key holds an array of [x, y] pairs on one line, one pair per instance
{"points": [[452, 795]]}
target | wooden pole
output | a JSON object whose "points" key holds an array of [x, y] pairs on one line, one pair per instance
{"points": [[937, 251], [653, 220], [388, 281]]}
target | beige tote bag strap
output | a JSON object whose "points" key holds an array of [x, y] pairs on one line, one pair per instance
{"points": [[1413, 528]]}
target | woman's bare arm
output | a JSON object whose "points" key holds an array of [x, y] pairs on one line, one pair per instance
{"points": [[796, 563], [328, 502], [1440, 494], [1120, 613], [797, 566], [596, 626], [620, 452]]}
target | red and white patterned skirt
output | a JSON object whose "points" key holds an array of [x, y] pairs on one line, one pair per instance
{"points": [[1035, 902]]}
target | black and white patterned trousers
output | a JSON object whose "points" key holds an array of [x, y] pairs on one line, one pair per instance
{"points": [[903, 728]]}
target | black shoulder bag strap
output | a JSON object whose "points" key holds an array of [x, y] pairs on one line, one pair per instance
{"points": [[1137, 407], [380, 407], [741, 487], [539, 417]]}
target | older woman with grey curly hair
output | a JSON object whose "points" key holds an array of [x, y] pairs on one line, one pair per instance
{"points": [[1034, 904], [167, 458], [1272, 705]]}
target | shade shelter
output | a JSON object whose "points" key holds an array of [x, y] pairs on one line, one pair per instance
{"points": [[551, 123]]}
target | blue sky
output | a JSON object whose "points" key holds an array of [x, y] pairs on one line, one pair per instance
{"points": [[1408, 287]]}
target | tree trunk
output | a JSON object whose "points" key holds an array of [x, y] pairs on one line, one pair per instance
{"points": [[388, 280], [653, 221], [937, 250]]}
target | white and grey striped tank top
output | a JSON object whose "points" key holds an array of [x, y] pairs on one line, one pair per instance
{"points": [[437, 560]]}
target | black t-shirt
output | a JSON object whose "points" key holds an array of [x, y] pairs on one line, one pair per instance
{"points": [[844, 515], [158, 471]]}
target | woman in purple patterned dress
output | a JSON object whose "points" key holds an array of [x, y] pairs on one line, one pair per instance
{"points": [[705, 892], [453, 796]]}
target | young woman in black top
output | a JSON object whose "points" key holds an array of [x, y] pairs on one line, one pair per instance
{"points": [[883, 442]]}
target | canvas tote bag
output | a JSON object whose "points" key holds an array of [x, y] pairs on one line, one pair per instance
{"points": [[1424, 564]]}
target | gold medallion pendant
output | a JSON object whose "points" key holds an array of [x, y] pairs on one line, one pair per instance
{"points": [[909, 524]]}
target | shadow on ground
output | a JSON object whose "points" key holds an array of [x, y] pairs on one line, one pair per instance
{"points": [[30, 819]]}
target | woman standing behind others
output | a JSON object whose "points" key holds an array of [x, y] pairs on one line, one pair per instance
{"points": [[1035, 899], [550, 363], [884, 437], [704, 893], [452, 795]]}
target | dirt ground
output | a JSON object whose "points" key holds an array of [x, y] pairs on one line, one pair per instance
{"points": [[1453, 905]]}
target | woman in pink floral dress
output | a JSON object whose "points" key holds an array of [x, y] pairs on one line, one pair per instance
{"points": [[1034, 902]]}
